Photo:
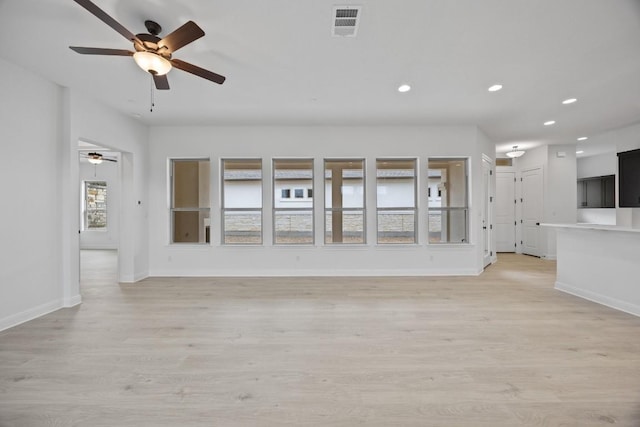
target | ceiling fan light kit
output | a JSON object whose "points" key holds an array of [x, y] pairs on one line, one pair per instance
{"points": [[152, 63], [152, 53], [515, 153], [96, 158]]}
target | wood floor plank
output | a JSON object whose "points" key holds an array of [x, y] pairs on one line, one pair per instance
{"points": [[501, 349]]}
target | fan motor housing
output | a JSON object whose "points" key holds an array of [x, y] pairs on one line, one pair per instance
{"points": [[149, 43], [153, 27]]}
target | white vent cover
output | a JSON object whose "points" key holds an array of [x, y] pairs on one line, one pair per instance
{"points": [[345, 20]]}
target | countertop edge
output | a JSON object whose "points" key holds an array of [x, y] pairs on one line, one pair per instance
{"points": [[593, 227]]}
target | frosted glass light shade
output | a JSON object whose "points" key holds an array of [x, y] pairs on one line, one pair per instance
{"points": [[152, 63], [515, 152]]}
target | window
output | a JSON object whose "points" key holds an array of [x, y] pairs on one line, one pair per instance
{"points": [[344, 201], [95, 205], [293, 218], [190, 201], [396, 200], [506, 161], [449, 211], [242, 201], [286, 193]]}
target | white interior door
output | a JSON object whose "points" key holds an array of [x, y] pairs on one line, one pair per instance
{"points": [[531, 211], [505, 207], [487, 226]]}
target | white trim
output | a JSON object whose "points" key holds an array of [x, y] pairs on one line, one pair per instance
{"points": [[599, 227], [73, 301], [600, 299], [319, 273], [99, 246], [133, 278], [30, 314]]}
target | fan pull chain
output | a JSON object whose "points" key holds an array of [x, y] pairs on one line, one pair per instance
{"points": [[152, 100]]}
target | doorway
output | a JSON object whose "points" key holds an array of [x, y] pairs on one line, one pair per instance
{"points": [[487, 208], [532, 211], [505, 212], [99, 181]]}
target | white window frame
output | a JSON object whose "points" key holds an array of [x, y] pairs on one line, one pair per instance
{"points": [[172, 209], [342, 210], [448, 210], [225, 210], [413, 209], [85, 207], [292, 198]]}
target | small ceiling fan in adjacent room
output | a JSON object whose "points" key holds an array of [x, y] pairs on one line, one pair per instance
{"points": [[97, 158], [152, 53]]}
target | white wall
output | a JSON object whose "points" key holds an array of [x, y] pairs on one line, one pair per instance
{"points": [[600, 165], [592, 166], [603, 216], [319, 143], [561, 196], [41, 124], [30, 273], [243, 194], [486, 148], [398, 192], [96, 123], [559, 190], [612, 142], [623, 139], [291, 184]]}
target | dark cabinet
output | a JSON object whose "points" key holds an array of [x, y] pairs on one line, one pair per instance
{"points": [[597, 192], [629, 173]]}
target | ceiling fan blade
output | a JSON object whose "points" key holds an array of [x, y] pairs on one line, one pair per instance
{"points": [[200, 72], [102, 15], [101, 51], [162, 83], [108, 159], [181, 37]]}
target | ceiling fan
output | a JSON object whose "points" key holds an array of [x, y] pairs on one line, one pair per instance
{"points": [[152, 53], [97, 158]]}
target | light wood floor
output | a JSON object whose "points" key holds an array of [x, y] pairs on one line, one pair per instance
{"points": [[502, 349]]}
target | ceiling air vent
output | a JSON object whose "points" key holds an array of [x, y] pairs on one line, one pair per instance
{"points": [[345, 21]]}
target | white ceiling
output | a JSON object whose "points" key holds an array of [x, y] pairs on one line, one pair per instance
{"points": [[284, 67]]}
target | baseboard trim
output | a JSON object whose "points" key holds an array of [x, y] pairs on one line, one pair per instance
{"points": [[316, 273], [73, 301], [132, 278], [99, 246], [600, 299], [30, 314], [140, 276]]}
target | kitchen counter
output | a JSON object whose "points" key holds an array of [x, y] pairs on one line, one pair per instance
{"points": [[600, 263]]}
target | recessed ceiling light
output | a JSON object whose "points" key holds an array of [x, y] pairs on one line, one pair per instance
{"points": [[569, 101], [404, 88], [549, 123], [579, 152], [495, 88], [583, 138]]}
